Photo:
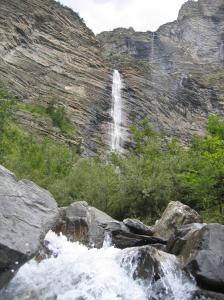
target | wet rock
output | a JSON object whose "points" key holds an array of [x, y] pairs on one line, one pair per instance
{"points": [[201, 253], [88, 225], [138, 227], [74, 222], [123, 239], [27, 213], [177, 244], [207, 295], [80, 222], [175, 215]]}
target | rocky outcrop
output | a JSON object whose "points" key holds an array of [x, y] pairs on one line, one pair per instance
{"points": [[27, 214], [175, 215], [200, 249], [48, 54], [173, 77]]}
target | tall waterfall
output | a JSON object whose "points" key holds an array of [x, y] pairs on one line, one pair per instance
{"points": [[222, 51], [152, 48], [77, 272], [116, 113]]}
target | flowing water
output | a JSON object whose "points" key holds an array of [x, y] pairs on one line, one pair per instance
{"points": [[74, 272], [116, 113], [222, 51], [152, 48]]}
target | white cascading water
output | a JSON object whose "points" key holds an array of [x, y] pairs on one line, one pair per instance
{"points": [[222, 51], [116, 113], [152, 48], [75, 272]]}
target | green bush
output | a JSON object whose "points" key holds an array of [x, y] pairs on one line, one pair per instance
{"points": [[59, 118]]}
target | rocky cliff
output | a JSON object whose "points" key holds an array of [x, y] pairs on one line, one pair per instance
{"points": [[48, 54], [173, 77]]}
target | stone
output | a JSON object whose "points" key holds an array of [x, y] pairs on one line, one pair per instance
{"points": [[200, 251], [206, 295], [83, 223], [123, 239], [178, 242], [27, 213], [138, 227], [175, 215], [90, 226], [73, 222]]}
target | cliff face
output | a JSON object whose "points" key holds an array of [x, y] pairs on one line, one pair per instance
{"points": [[174, 77], [48, 54]]}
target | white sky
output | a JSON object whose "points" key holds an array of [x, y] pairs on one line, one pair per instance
{"points": [[142, 15]]}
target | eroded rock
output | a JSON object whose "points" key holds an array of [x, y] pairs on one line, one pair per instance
{"points": [[175, 215], [27, 213]]}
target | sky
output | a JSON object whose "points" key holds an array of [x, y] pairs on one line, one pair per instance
{"points": [[142, 15]]}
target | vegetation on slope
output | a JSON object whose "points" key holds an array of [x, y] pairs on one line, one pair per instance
{"points": [[156, 171]]}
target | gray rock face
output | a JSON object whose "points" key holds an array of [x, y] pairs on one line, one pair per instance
{"points": [[138, 227], [173, 77], [201, 253], [80, 222], [178, 242], [47, 53], [175, 215], [27, 214], [123, 239], [207, 295]]}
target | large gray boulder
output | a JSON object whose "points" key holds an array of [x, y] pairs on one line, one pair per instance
{"points": [[27, 213], [201, 251], [83, 223], [175, 215]]}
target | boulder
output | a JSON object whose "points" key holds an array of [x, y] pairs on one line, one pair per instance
{"points": [[201, 253], [27, 213], [138, 227], [83, 223], [175, 215], [73, 222], [123, 239]]}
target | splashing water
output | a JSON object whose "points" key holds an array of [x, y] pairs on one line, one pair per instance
{"points": [[116, 113], [75, 272]]}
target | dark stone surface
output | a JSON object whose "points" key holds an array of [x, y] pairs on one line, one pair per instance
{"points": [[202, 253], [138, 227], [27, 214], [207, 295], [122, 239]]}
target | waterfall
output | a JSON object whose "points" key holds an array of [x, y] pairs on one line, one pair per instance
{"points": [[116, 113], [222, 51], [152, 47], [77, 272]]}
